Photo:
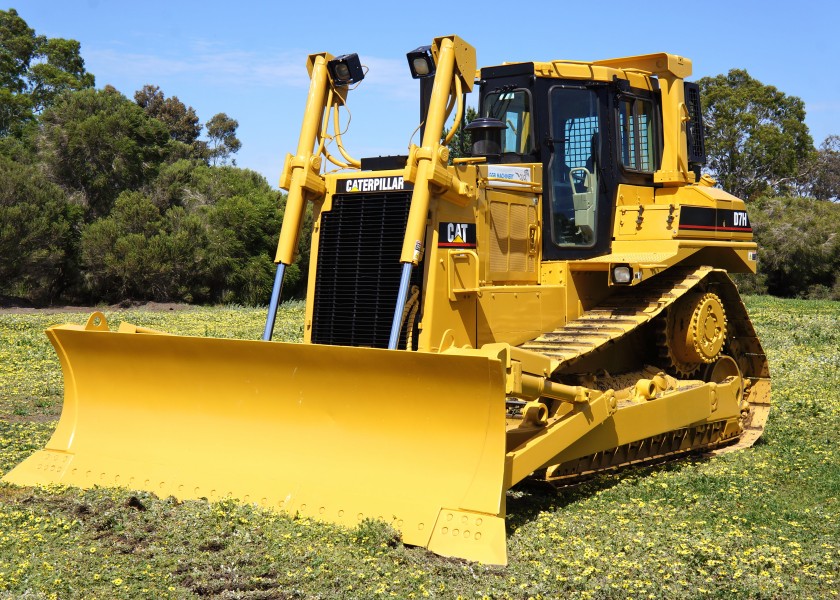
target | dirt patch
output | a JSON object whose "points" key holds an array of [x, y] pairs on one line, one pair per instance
{"points": [[12, 306], [31, 417]]}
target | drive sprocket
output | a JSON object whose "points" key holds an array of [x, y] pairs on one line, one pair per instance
{"points": [[695, 333]]}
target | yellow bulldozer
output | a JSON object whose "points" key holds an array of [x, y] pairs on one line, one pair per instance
{"points": [[552, 304]]}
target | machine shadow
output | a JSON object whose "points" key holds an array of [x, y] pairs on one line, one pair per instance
{"points": [[528, 499]]}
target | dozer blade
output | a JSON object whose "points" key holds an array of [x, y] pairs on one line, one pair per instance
{"points": [[332, 433]]}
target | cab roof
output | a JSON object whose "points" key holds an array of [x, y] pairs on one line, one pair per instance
{"points": [[637, 70]]}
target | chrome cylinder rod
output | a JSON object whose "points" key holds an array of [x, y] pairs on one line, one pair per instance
{"points": [[402, 296], [275, 301]]}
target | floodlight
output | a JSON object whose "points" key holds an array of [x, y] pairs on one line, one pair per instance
{"points": [[345, 69], [420, 62]]}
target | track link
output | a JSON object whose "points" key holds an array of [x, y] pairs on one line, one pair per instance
{"points": [[618, 316]]}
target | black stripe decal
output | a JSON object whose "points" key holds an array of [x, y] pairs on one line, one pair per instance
{"points": [[698, 218]]}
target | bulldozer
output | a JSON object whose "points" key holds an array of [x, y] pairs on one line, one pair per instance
{"points": [[551, 304]]}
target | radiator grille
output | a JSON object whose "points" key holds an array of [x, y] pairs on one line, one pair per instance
{"points": [[696, 141], [359, 269]]}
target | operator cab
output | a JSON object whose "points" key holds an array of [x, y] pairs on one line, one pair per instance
{"points": [[590, 136]]}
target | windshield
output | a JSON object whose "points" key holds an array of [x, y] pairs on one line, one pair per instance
{"points": [[513, 108]]}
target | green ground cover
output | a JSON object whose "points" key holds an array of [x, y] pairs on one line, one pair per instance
{"points": [[761, 523]]}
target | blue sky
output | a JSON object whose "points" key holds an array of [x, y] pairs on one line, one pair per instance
{"points": [[248, 58]]}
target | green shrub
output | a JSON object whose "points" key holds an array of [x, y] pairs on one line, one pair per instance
{"points": [[99, 143], [37, 234], [139, 252], [799, 248], [204, 234]]}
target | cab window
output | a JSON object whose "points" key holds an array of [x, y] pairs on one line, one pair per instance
{"points": [[513, 108], [636, 136], [574, 166]]}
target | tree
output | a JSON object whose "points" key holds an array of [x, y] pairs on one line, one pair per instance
{"points": [[825, 183], [17, 48], [459, 145], [37, 234], [59, 67], [756, 138], [171, 186], [221, 130], [141, 252], [243, 216], [799, 247], [34, 70], [181, 120], [99, 143], [215, 243]]}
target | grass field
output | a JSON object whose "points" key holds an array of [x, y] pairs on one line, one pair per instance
{"points": [[761, 523]]}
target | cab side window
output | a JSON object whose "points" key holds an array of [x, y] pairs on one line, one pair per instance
{"points": [[513, 108], [636, 134]]}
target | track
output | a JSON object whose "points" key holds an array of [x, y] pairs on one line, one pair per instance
{"points": [[589, 339]]}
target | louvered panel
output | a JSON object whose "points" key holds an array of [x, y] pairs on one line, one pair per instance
{"points": [[499, 230], [518, 235], [511, 258], [359, 269]]}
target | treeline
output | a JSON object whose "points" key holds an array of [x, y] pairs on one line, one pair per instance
{"points": [[759, 148], [106, 198], [798, 248]]}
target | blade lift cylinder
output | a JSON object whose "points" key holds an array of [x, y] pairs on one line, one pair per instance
{"points": [[301, 177]]}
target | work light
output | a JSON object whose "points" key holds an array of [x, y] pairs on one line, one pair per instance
{"points": [[622, 274], [345, 69], [420, 62]]}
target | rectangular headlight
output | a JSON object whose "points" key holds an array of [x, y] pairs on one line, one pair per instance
{"points": [[622, 274]]}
